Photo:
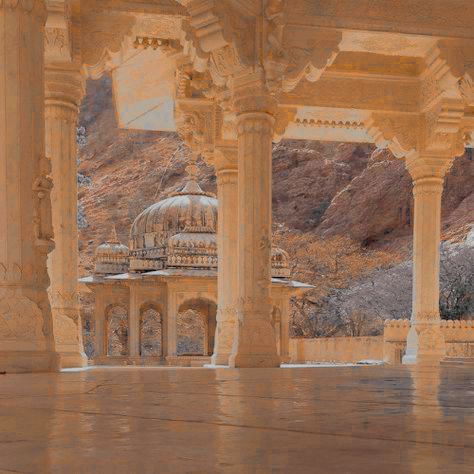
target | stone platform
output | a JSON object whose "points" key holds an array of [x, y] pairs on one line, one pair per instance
{"points": [[176, 420]]}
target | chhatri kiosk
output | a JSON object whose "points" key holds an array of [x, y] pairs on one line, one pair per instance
{"points": [[231, 77], [169, 271]]}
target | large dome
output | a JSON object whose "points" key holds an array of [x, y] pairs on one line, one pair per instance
{"points": [[190, 207]]}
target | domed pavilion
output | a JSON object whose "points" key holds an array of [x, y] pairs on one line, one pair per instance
{"points": [[156, 300]]}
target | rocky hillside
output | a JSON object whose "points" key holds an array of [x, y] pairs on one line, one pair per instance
{"points": [[320, 189]]}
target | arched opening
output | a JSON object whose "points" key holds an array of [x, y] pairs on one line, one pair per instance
{"points": [[196, 327], [276, 325], [151, 333], [117, 330]]}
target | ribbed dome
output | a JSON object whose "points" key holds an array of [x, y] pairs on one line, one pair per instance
{"points": [[280, 263], [111, 256], [190, 207]]}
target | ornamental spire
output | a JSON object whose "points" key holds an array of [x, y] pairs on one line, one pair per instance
{"points": [[114, 237]]}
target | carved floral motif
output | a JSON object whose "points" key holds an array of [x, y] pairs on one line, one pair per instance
{"points": [[20, 319]]}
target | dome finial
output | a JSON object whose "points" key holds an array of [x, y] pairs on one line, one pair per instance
{"points": [[114, 237], [192, 171]]}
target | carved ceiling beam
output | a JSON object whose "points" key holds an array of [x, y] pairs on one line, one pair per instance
{"points": [[361, 92], [437, 18], [158, 7]]}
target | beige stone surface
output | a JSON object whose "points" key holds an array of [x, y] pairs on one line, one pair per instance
{"points": [[336, 349], [358, 420]]}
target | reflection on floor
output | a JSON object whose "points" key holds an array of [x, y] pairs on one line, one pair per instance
{"points": [[337, 420]]}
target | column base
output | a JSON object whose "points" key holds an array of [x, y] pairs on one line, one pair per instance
{"points": [[72, 360], [254, 361], [425, 345], [20, 362], [220, 359]]}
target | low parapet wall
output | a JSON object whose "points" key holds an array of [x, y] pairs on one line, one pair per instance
{"points": [[336, 349], [458, 336]]}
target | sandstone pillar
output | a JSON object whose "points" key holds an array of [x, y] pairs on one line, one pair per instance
{"points": [[171, 322], [134, 324], [227, 234], [26, 342], [285, 330], [425, 342], [64, 90], [254, 343], [100, 349]]}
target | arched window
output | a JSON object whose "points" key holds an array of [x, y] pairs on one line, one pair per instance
{"points": [[117, 330], [151, 334], [196, 327]]}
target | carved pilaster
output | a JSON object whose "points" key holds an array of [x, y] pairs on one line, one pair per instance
{"points": [[64, 88], [26, 342]]}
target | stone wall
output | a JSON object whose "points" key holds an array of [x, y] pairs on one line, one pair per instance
{"points": [[459, 337], [336, 349]]}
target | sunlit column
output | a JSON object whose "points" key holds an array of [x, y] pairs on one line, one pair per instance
{"points": [[425, 342], [134, 324], [64, 91], [227, 233], [100, 326], [254, 343], [26, 342]]}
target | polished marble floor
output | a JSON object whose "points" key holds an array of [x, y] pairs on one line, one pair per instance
{"points": [[164, 420]]}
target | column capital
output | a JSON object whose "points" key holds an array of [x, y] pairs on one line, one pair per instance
{"points": [[64, 87], [37, 7], [226, 158], [428, 168], [250, 94]]}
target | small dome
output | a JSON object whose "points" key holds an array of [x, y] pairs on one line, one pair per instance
{"points": [[190, 207], [192, 248], [280, 263], [111, 257]]}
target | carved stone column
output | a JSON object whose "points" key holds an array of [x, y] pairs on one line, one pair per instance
{"points": [[26, 342], [134, 342], [171, 321], [100, 336], [254, 343], [425, 342], [285, 329], [227, 237], [64, 90]]}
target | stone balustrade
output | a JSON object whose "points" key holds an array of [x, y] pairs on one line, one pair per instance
{"points": [[458, 336]]}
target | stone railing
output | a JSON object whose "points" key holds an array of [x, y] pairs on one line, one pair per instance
{"points": [[395, 340], [459, 338], [458, 335]]}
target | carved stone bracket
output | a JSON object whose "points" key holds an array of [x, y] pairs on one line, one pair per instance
{"points": [[436, 132], [232, 43], [197, 123], [105, 35]]}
